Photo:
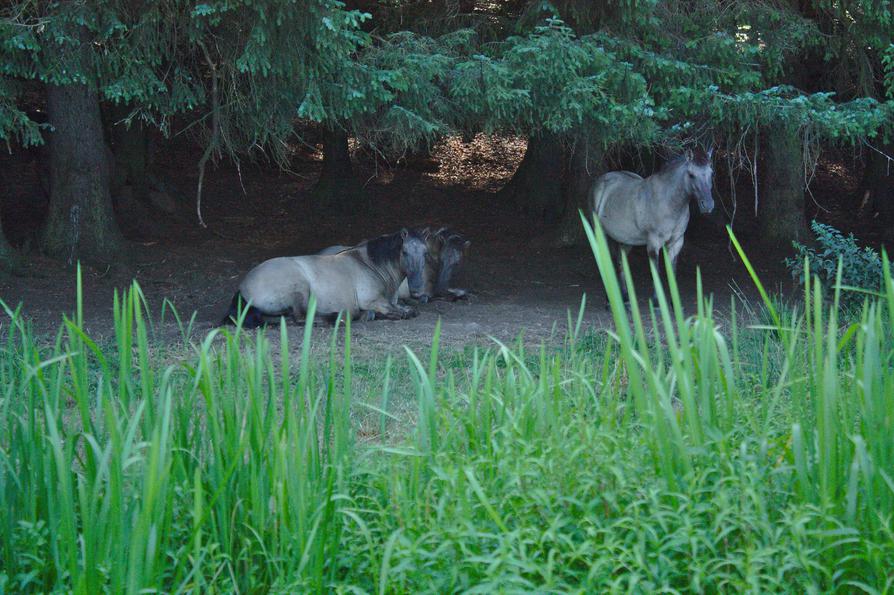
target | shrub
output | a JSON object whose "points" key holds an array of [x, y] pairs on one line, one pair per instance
{"points": [[860, 267]]}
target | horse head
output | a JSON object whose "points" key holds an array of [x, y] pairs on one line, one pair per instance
{"points": [[698, 178], [412, 262], [454, 249]]}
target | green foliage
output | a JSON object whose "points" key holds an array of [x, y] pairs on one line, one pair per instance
{"points": [[408, 108], [552, 81], [634, 72], [252, 66], [690, 455], [888, 63], [861, 268], [14, 123]]}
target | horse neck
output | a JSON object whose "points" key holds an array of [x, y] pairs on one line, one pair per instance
{"points": [[672, 185], [389, 271]]}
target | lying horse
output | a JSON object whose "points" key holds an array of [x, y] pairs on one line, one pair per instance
{"points": [[454, 248], [446, 251], [653, 212], [361, 281]]}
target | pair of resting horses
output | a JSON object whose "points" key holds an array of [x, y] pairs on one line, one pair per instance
{"points": [[363, 281], [366, 280]]}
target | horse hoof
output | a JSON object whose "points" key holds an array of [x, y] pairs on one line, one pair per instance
{"points": [[423, 299], [411, 313]]}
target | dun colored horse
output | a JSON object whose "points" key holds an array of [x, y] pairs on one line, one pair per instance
{"points": [[654, 211], [361, 281]]}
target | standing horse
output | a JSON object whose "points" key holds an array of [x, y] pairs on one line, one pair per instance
{"points": [[361, 281], [653, 212], [446, 251]]}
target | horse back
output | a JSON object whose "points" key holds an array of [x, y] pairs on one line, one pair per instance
{"points": [[340, 282], [611, 184]]}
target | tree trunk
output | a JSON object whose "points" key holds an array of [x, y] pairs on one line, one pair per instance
{"points": [[80, 223], [584, 166], [6, 252], [536, 187], [781, 208], [337, 186], [877, 189]]}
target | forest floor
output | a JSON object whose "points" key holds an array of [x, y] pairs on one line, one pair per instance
{"points": [[520, 281]]}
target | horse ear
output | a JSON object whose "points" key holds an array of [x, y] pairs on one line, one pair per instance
{"points": [[710, 151], [466, 245], [688, 154], [404, 233]]}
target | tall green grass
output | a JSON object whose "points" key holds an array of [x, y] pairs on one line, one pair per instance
{"points": [[222, 471], [673, 452]]}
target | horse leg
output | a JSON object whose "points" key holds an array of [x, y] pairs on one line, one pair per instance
{"points": [[360, 315], [615, 250], [299, 304], [613, 254], [623, 252], [654, 250], [452, 294], [407, 311], [298, 311], [673, 251], [388, 311]]}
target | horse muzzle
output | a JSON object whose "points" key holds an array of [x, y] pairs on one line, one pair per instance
{"points": [[706, 206]]}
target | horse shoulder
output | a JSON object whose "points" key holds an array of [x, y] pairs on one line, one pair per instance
{"points": [[366, 279]]}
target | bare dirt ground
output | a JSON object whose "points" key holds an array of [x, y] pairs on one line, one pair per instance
{"points": [[520, 282]]}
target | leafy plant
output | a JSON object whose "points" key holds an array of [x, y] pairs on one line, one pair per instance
{"points": [[861, 268], [677, 451], [888, 63]]}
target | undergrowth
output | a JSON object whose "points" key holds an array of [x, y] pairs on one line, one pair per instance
{"points": [[662, 454]]}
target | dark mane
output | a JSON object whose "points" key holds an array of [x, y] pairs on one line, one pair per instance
{"points": [[673, 163], [384, 248], [699, 157], [387, 247], [449, 236]]}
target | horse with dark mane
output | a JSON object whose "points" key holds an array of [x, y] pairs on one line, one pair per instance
{"points": [[446, 252], [361, 281], [654, 211]]}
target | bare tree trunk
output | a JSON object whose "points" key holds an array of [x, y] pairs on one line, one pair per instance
{"points": [[536, 187], [781, 208], [337, 186], [81, 223], [584, 166], [6, 251]]}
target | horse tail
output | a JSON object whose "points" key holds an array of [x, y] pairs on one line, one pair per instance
{"points": [[253, 317]]}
